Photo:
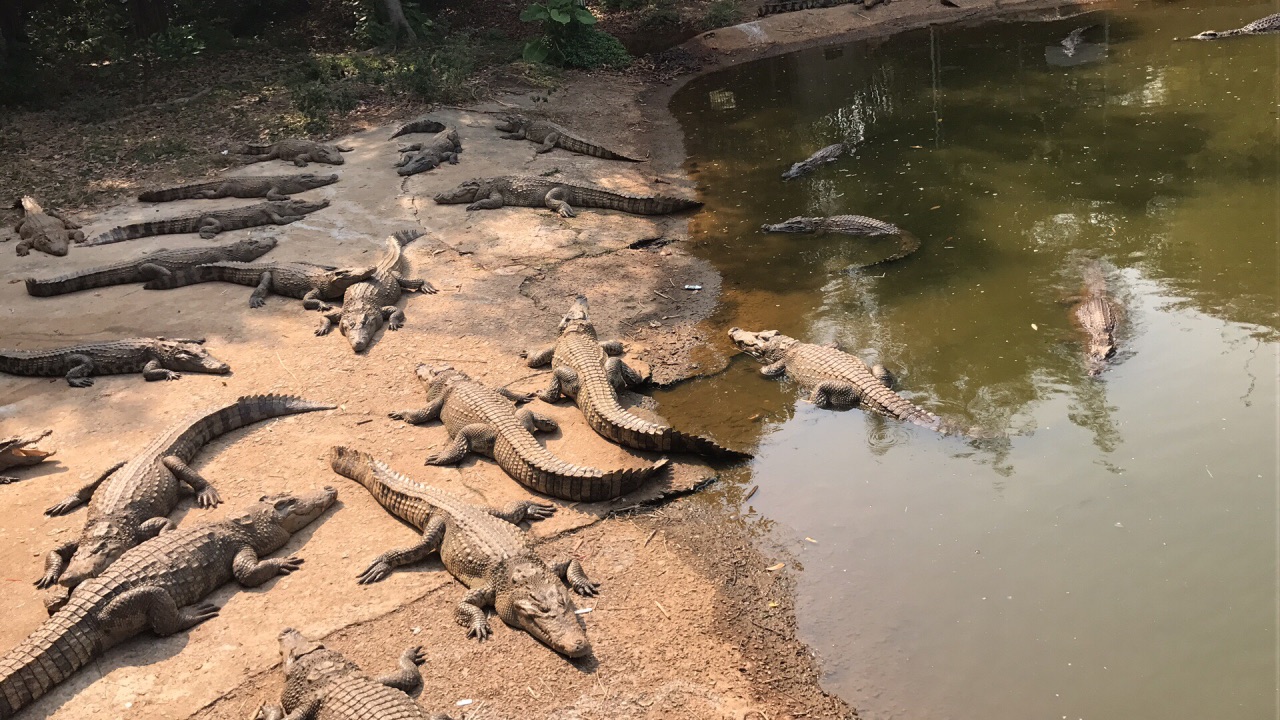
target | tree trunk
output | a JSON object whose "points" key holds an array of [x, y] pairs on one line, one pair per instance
{"points": [[149, 17], [399, 25], [13, 28]]}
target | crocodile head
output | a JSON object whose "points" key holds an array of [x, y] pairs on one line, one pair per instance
{"points": [[188, 356], [764, 345], [311, 181], [359, 328], [578, 318], [440, 375], [101, 543], [512, 123], [270, 522], [793, 225], [529, 596], [302, 207], [420, 162], [467, 192], [251, 248], [336, 282], [18, 451], [1100, 350], [294, 646], [329, 154]]}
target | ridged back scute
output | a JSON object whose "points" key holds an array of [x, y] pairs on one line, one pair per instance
{"points": [[176, 192], [61, 645]]}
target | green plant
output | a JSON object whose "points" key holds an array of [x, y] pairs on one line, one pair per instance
{"points": [[721, 13], [569, 37]]}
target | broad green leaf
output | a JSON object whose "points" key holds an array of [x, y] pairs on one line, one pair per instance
{"points": [[584, 16], [559, 16], [534, 13]]}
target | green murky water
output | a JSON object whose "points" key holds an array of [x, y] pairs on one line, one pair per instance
{"points": [[1117, 556]]}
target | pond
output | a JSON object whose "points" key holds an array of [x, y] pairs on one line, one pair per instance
{"points": [[1115, 555]]}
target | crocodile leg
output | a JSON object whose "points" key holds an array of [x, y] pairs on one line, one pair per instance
{"points": [[833, 393], [382, 566], [301, 160], [493, 202], [417, 417], [158, 606], [540, 357], [413, 285], [555, 199], [250, 571], [515, 397], [278, 219], [154, 527], [82, 495], [81, 369], [470, 612], [330, 320], [621, 375], [549, 143], [513, 136], [571, 572], [564, 383], [393, 316], [151, 271], [612, 347], [153, 371], [885, 377], [521, 510], [309, 710], [66, 222], [209, 227], [56, 562], [534, 422], [476, 437], [274, 194], [313, 301], [408, 678], [206, 495], [774, 369], [259, 296]]}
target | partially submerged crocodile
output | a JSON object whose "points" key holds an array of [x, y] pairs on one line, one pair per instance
{"points": [[551, 136], [1097, 314], [300, 152], [44, 230], [153, 266], [422, 124], [130, 501], [1071, 43], [271, 187], [18, 451], [321, 683], [420, 157], [1263, 26], [850, 225], [484, 549], [312, 284], [828, 154], [591, 373], [484, 420], [369, 303], [835, 379], [208, 224], [155, 358], [527, 191], [157, 585]]}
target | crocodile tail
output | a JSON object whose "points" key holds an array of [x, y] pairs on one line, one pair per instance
{"points": [[907, 244], [29, 205], [354, 464], [182, 278], [573, 144], [393, 491], [697, 444], [247, 410], [144, 229], [404, 237], [62, 645], [173, 193], [254, 149]]}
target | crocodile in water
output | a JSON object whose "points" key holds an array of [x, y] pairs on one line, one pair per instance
{"points": [[1097, 314], [484, 549], [483, 420], [155, 358], [366, 305], [157, 585], [422, 124], [17, 451], [300, 152], [551, 136], [590, 372], [44, 230], [159, 264], [420, 157], [828, 154], [312, 284], [1266, 25], [271, 187], [526, 191], [850, 225], [275, 212]]}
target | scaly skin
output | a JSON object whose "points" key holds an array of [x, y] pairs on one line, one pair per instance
{"points": [[551, 136], [16, 451], [589, 372], [312, 284], [367, 304], [525, 191], [155, 358], [485, 421], [420, 157], [422, 124], [159, 264], [158, 585], [1097, 315], [46, 231], [130, 502], [300, 152], [320, 684], [1263, 26], [828, 154], [278, 212], [773, 8], [850, 225], [484, 549], [271, 187]]}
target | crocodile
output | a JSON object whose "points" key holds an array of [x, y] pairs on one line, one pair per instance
{"points": [[44, 230], [158, 585], [591, 372], [159, 264], [320, 683], [367, 304], [850, 225], [773, 8], [422, 124], [156, 358], [836, 379], [420, 157], [484, 549], [271, 187], [300, 152], [1263, 26], [483, 420], [208, 224], [130, 501], [1097, 314], [527, 191], [310, 283], [18, 451], [551, 136], [1074, 39], [828, 154]]}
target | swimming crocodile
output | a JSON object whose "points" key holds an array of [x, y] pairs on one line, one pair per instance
{"points": [[483, 420], [44, 230], [1071, 43], [1097, 314], [590, 372], [828, 154], [850, 225], [320, 683], [551, 136], [836, 379], [1263, 26], [156, 358], [208, 224], [18, 451], [131, 501], [526, 191], [156, 265], [271, 187], [422, 124], [420, 157], [157, 585], [484, 549], [369, 303], [312, 284], [300, 152]]}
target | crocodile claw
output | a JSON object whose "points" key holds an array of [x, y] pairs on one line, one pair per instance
{"points": [[480, 631], [375, 572], [290, 564], [63, 507], [416, 655], [6, 479], [80, 382], [587, 588], [540, 511], [47, 581], [208, 497]]}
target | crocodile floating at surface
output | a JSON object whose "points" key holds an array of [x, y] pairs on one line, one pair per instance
{"points": [[591, 373], [422, 124], [828, 154], [271, 187], [157, 585], [420, 157], [484, 420], [44, 230], [1097, 315], [156, 265], [19, 451], [850, 225], [484, 549], [369, 303], [527, 191], [551, 136], [312, 284], [131, 501], [1263, 26], [155, 358], [322, 684], [300, 152], [276, 212]]}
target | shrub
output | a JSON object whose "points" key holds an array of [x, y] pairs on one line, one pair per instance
{"points": [[570, 38]]}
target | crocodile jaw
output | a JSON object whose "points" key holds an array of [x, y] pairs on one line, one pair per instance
{"points": [[467, 192], [190, 357], [538, 603], [791, 225], [757, 344], [341, 279], [100, 545]]}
